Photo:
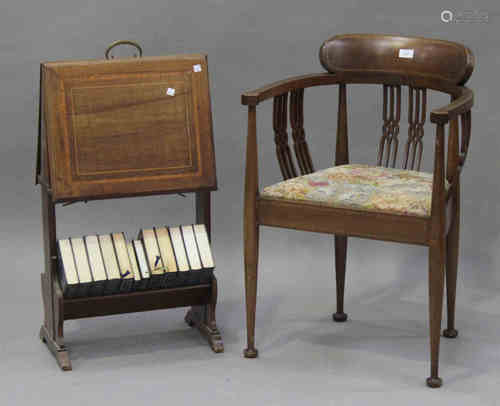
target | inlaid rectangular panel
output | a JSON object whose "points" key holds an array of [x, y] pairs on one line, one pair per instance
{"points": [[128, 127]]}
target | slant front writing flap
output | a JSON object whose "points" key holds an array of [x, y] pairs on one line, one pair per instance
{"points": [[128, 127]]}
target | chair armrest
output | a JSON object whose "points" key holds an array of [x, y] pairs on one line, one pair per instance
{"points": [[254, 97], [458, 106]]}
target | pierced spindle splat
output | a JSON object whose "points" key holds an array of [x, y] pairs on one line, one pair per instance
{"points": [[417, 106], [297, 122], [281, 137], [389, 142]]}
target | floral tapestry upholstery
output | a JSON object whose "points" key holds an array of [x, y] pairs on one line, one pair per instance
{"points": [[360, 187]]}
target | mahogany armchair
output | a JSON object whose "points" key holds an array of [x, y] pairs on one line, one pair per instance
{"points": [[376, 202]]}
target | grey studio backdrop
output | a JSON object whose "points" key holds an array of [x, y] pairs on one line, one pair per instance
{"points": [[382, 353]]}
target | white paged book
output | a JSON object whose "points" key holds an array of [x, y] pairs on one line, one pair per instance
{"points": [[126, 274], [96, 264], [82, 266], [153, 258], [110, 263], [67, 269], [142, 263]]}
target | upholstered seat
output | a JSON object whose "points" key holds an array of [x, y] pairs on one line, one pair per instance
{"points": [[360, 187]]}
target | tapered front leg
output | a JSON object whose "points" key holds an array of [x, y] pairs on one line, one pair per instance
{"points": [[437, 254], [251, 231], [436, 287], [251, 261], [340, 264]]}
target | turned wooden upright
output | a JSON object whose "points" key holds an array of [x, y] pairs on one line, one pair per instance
{"points": [[112, 129]]}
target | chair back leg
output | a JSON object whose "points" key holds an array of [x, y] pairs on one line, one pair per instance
{"points": [[340, 263], [251, 259], [251, 231]]}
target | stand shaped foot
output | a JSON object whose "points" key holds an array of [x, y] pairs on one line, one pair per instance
{"points": [[188, 319], [450, 333], [434, 382], [215, 341], [63, 360], [250, 353], [339, 317], [211, 333], [60, 352], [42, 336]]}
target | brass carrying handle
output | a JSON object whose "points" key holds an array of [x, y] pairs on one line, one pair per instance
{"points": [[123, 42]]}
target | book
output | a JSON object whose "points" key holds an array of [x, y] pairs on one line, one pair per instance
{"points": [[96, 264], [153, 257], [126, 274], [67, 269], [179, 250], [204, 249], [134, 266], [166, 249], [167, 256], [82, 267], [180, 255], [110, 263], [142, 263], [191, 247]]}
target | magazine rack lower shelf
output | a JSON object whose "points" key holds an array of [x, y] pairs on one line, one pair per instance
{"points": [[202, 299]]}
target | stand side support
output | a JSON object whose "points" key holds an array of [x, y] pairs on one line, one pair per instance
{"points": [[51, 332], [203, 317]]}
